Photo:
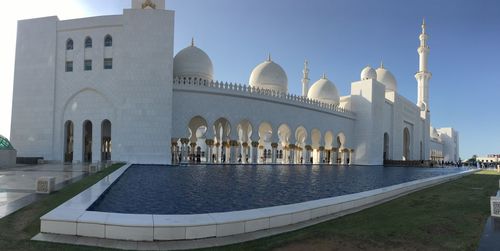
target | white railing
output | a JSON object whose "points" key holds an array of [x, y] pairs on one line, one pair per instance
{"points": [[253, 91]]}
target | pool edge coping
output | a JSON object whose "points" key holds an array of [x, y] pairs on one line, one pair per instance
{"points": [[149, 227]]}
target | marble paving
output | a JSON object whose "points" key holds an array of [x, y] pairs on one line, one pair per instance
{"points": [[17, 184]]}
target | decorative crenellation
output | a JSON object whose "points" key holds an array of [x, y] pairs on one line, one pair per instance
{"points": [[255, 91]]}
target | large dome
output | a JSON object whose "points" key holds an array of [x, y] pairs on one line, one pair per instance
{"points": [[269, 75], [368, 73], [192, 62], [325, 91], [385, 77]]}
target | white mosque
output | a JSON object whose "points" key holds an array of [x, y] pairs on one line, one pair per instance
{"points": [[109, 88]]}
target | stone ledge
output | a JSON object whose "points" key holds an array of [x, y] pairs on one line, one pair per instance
{"points": [[185, 227]]}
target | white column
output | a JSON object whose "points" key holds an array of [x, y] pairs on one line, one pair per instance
{"points": [[77, 142], [210, 145], [343, 157], [255, 152], [307, 153], [232, 151], [321, 154], [217, 153], [335, 152], [192, 154], [96, 142], [244, 149], [351, 156], [209, 154], [274, 147], [184, 149], [173, 146], [292, 154]]}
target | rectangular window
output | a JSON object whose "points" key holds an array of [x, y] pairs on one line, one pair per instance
{"points": [[69, 66], [108, 63], [88, 65]]}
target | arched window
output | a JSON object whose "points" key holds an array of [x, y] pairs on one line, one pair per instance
{"points": [[108, 41], [88, 42], [69, 44]]}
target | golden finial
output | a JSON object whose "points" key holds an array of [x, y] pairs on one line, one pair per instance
{"points": [[192, 41], [269, 57], [148, 3]]}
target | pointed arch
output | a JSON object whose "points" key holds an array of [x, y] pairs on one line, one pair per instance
{"points": [[244, 128], [68, 141], [105, 140], [87, 141], [108, 41], [284, 134], [341, 140], [301, 136], [69, 44], [88, 42], [328, 139], [406, 144], [197, 127]]}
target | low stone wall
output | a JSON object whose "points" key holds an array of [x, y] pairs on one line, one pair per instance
{"points": [[8, 158], [72, 217], [29, 160]]}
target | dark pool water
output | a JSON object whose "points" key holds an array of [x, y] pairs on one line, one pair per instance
{"points": [[145, 189]]}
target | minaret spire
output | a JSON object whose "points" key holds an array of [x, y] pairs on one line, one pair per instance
{"points": [[305, 79], [423, 25], [423, 75]]}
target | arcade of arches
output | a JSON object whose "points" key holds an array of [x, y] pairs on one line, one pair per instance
{"points": [[217, 143], [87, 139], [244, 143]]}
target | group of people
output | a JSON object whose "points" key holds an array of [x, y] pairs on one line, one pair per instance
{"points": [[448, 163]]}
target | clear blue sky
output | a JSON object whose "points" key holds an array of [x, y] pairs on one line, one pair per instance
{"points": [[340, 37]]}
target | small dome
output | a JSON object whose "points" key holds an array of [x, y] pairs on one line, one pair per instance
{"points": [[368, 73], [385, 77], [269, 75], [192, 62], [434, 133], [5, 144], [324, 91]]}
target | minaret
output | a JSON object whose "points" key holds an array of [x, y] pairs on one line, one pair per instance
{"points": [[423, 75], [305, 79]]}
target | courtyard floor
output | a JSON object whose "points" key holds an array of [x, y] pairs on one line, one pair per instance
{"points": [[17, 184]]}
